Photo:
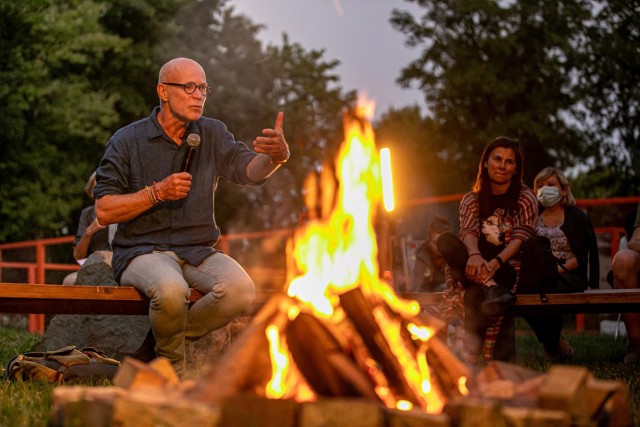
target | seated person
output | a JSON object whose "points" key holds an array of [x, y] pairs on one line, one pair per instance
{"points": [[626, 275], [573, 239], [429, 268], [496, 217], [91, 236]]}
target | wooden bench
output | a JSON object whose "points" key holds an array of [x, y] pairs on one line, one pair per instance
{"points": [[61, 299]]}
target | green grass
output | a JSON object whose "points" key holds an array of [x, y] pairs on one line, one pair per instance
{"points": [[22, 404], [28, 404]]}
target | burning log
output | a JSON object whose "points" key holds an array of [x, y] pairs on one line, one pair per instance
{"points": [[246, 367], [451, 372], [323, 361], [359, 311]]}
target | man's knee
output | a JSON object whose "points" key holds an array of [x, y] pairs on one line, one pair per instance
{"points": [[242, 293], [626, 268], [171, 298]]}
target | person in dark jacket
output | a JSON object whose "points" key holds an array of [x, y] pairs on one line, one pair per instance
{"points": [[573, 240]]}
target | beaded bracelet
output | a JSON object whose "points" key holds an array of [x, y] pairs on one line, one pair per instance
{"points": [[156, 192], [150, 195]]}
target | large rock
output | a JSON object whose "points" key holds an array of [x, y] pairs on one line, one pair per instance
{"points": [[117, 336]]}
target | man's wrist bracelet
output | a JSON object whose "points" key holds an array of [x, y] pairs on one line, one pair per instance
{"points": [[500, 261], [475, 253]]}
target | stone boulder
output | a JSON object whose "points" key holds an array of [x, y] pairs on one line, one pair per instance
{"points": [[117, 336]]}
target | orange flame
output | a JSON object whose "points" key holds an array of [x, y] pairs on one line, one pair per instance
{"points": [[342, 253], [339, 253]]}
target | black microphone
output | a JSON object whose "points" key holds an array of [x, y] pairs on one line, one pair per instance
{"points": [[193, 140]]}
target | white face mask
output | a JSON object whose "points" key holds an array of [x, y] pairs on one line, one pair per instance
{"points": [[549, 196]]}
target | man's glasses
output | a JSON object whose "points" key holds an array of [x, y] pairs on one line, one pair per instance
{"points": [[191, 87]]}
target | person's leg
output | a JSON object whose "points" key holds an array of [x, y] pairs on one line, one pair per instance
{"points": [[227, 292], [158, 275], [498, 296], [505, 345], [626, 274], [548, 330], [475, 323]]}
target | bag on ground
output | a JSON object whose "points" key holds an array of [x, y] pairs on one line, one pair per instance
{"points": [[66, 365]]}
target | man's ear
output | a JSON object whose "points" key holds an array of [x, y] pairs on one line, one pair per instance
{"points": [[162, 92]]}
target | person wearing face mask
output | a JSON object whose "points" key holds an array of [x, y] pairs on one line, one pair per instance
{"points": [[573, 240], [568, 228]]}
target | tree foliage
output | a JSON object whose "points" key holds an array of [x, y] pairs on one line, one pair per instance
{"points": [[610, 92], [75, 71], [515, 68], [52, 112]]}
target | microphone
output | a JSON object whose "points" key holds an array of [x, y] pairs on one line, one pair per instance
{"points": [[193, 140]]}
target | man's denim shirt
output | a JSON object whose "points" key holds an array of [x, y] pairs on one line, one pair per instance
{"points": [[141, 153]]}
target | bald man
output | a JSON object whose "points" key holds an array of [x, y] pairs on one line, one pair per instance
{"points": [[165, 216]]}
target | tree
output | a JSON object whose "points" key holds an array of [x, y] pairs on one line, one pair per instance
{"points": [[499, 68], [250, 85], [73, 72], [49, 107], [610, 93], [409, 136]]}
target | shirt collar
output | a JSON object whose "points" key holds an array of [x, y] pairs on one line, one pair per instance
{"points": [[154, 130]]}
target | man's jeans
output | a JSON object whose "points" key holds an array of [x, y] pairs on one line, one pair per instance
{"points": [[165, 279]]}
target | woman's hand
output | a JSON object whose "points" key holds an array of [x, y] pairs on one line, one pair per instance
{"points": [[478, 269]]}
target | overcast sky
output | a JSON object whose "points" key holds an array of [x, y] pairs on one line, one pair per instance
{"points": [[355, 32]]}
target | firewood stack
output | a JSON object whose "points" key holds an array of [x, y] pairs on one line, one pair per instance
{"points": [[353, 357], [349, 372]]}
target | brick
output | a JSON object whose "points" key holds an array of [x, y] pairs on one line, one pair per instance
{"points": [[564, 389], [340, 412]]}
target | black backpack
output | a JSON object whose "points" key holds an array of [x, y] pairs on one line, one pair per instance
{"points": [[539, 270]]}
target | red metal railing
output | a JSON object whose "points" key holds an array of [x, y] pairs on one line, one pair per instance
{"points": [[36, 271]]}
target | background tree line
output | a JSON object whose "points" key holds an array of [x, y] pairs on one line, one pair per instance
{"points": [[563, 78]]}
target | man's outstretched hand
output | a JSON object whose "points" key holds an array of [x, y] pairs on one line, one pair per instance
{"points": [[272, 143]]}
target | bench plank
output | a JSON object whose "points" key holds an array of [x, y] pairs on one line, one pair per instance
{"points": [[590, 301], [72, 299], [587, 302]]}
